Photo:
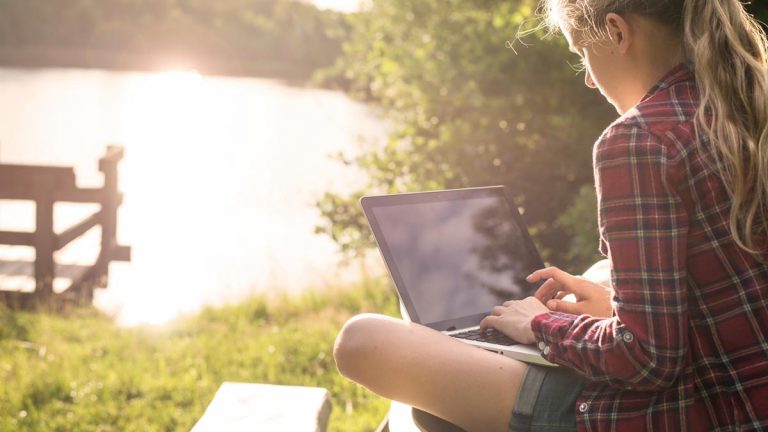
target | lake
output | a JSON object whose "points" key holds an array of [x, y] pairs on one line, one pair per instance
{"points": [[220, 179]]}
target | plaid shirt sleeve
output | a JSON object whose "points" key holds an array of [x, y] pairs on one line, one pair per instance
{"points": [[643, 227]]}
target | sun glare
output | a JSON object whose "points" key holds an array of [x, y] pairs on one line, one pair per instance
{"points": [[339, 5], [219, 185], [169, 124]]}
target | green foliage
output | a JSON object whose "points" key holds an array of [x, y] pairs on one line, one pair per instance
{"points": [[84, 373], [580, 223], [267, 37], [467, 111]]}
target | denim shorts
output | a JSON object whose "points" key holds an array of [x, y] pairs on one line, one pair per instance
{"points": [[547, 400]]}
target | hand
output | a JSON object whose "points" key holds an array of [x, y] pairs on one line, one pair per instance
{"points": [[591, 298], [514, 318]]}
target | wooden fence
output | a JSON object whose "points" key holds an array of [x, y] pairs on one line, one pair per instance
{"points": [[47, 185]]}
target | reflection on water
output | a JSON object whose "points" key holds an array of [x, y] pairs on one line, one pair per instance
{"points": [[220, 176]]}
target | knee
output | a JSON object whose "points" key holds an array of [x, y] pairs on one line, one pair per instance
{"points": [[356, 345]]}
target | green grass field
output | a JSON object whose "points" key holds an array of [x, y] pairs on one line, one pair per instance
{"points": [[80, 372]]}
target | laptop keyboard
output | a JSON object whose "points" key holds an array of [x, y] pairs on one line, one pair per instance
{"points": [[490, 336]]}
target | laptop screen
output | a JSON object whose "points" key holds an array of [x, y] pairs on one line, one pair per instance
{"points": [[456, 253]]}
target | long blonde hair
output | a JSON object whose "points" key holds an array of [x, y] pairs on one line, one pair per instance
{"points": [[729, 53]]}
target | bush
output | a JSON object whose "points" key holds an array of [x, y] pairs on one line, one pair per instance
{"points": [[467, 111]]}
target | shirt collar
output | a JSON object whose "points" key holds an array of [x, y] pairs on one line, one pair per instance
{"points": [[681, 72]]}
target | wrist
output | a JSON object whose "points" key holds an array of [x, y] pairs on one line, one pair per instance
{"points": [[536, 325]]}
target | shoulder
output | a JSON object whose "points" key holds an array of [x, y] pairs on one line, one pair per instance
{"points": [[661, 125], [628, 141]]}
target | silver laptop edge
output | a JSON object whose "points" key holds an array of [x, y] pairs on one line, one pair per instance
{"points": [[525, 353]]}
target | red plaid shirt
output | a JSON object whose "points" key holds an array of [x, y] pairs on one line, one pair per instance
{"points": [[687, 345]]}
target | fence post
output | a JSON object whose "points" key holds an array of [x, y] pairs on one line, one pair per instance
{"points": [[45, 244], [109, 206]]}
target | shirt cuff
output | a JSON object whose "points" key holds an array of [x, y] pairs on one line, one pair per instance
{"points": [[550, 329]]}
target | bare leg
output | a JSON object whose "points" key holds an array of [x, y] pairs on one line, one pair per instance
{"points": [[413, 364]]}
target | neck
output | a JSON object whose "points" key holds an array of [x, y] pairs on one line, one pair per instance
{"points": [[658, 50], [658, 66], [655, 50]]}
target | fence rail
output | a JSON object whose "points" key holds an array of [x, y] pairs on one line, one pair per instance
{"points": [[47, 185]]}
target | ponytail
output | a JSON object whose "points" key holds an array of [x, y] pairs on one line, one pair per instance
{"points": [[728, 51]]}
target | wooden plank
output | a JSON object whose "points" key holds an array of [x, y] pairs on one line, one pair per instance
{"points": [[71, 271], [241, 407], [400, 418], [26, 268], [17, 268], [26, 182], [76, 231], [33, 173], [26, 191], [112, 156], [80, 195], [109, 205], [121, 253], [30, 192], [14, 238], [45, 244]]}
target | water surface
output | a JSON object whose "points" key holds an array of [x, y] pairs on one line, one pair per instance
{"points": [[220, 178]]}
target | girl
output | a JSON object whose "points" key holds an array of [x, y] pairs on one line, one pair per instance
{"points": [[681, 340]]}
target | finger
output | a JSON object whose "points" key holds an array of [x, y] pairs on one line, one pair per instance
{"points": [[565, 307], [562, 294], [498, 310], [568, 281], [546, 273], [547, 290], [488, 322], [540, 274]]}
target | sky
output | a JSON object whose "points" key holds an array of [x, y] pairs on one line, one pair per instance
{"points": [[340, 5]]}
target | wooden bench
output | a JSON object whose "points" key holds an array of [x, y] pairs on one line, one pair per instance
{"points": [[404, 418], [263, 407]]}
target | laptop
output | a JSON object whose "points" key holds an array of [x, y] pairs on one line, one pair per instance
{"points": [[455, 254]]}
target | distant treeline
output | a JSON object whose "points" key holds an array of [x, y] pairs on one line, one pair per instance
{"points": [[282, 38]]}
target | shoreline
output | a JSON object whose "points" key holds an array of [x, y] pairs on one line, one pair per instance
{"points": [[43, 58]]}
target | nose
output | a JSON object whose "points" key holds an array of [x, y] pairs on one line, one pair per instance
{"points": [[588, 80]]}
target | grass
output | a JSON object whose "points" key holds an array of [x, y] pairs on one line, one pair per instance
{"points": [[81, 372]]}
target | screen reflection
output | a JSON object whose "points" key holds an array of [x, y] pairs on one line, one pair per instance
{"points": [[457, 258]]}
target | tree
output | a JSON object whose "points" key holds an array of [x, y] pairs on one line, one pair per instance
{"points": [[469, 111], [266, 37]]}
